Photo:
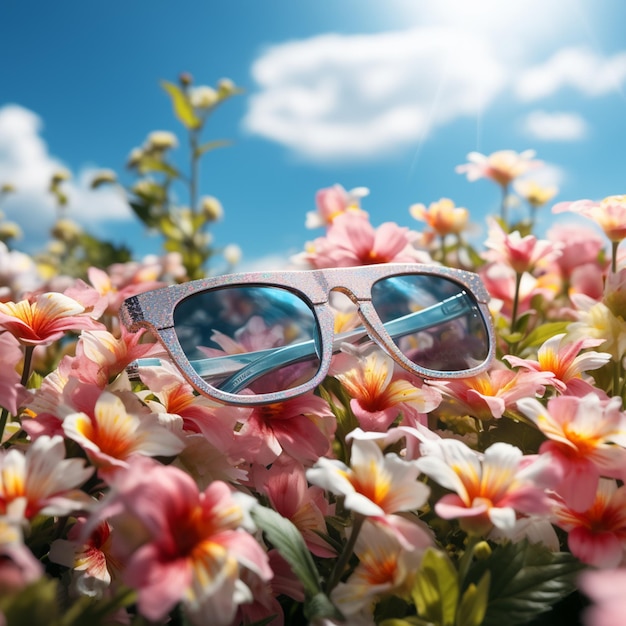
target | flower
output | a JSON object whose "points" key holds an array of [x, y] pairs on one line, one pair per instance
{"points": [[44, 319], [521, 253], [442, 216], [42, 481], [386, 567], [351, 240], [377, 396], [286, 487], [192, 547], [488, 395], [334, 201], [301, 427], [12, 392], [111, 435], [535, 194], [606, 588], [502, 166], [586, 439], [597, 535], [490, 489], [562, 356], [374, 484], [609, 214], [91, 558]]}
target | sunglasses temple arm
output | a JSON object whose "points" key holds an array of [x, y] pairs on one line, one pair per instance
{"points": [[273, 359]]}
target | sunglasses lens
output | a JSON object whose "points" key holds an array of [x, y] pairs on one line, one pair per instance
{"points": [[249, 339], [434, 321]]}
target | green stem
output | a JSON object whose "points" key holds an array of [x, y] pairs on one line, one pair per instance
{"points": [[344, 557], [194, 172], [443, 249], [614, 246], [518, 282], [466, 559]]}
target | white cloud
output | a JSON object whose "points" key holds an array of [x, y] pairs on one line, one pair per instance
{"points": [[578, 68], [26, 163], [556, 126], [357, 96]]}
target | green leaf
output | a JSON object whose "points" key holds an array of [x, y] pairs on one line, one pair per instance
{"points": [[182, 107], [286, 538], [526, 580], [473, 605], [149, 164], [143, 211], [543, 332], [436, 589], [211, 145], [36, 604]]}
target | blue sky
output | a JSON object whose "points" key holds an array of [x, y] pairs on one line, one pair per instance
{"points": [[388, 95]]}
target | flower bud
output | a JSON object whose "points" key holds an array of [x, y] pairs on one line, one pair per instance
{"points": [[211, 208], [10, 230], [203, 97], [7, 188], [232, 253], [66, 230], [134, 158], [226, 87], [59, 176], [185, 79], [482, 551], [161, 140], [103, 177]]}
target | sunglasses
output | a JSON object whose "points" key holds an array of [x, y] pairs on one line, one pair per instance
{"points": [[265, 337]]}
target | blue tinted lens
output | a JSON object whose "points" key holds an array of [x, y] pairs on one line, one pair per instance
{"points": [[435, 321], [249, 339]]}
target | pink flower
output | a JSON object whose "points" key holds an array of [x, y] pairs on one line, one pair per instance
{"points": [[607, 590], [111, 435], [44, 319], [90, 557], [562, 357], [578, 245], [12, 393], [490, 394], [586, 438], [289, 494], [490, 489], [377, 396], [181, 545], [123, 280], [301, 427], [597, 535], [334, 201], [100, 356], [18, 565], [502, 166], [521, 253], [172, 398], [351, 240], [609, 214], [42, 481]]}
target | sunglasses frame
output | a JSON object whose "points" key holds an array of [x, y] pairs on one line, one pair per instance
{"points": [[154, 310]]}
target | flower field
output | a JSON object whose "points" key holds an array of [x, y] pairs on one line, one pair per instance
{"points": [[377, 498]]}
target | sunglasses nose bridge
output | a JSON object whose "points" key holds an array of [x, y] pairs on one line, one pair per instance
{"points": [[356, 293]]}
